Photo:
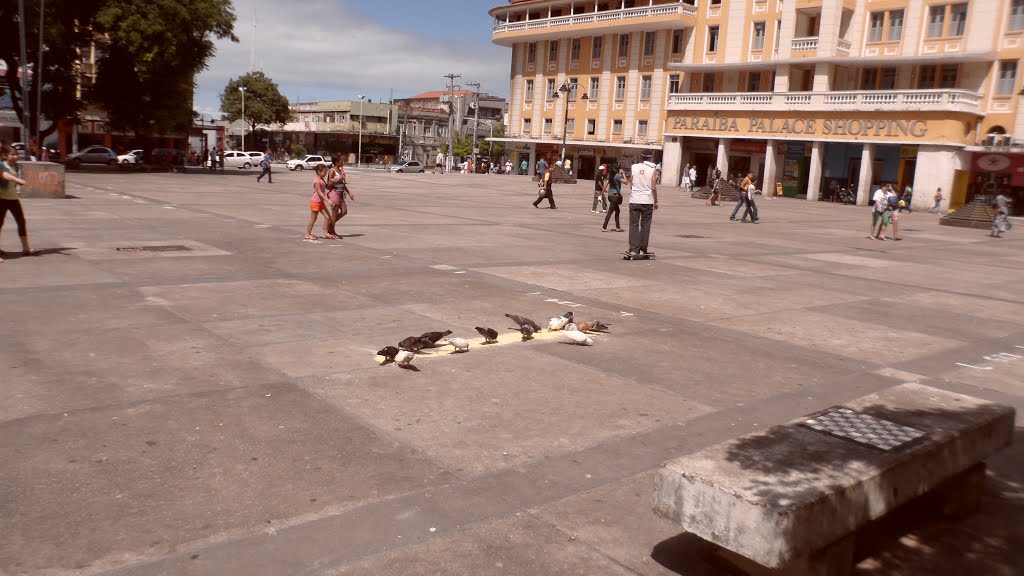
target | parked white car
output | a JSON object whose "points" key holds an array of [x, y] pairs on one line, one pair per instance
{"points": [[308, 162], [236, 159], [133, 157]]}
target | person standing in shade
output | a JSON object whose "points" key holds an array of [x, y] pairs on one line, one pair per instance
{"points": [[601, 188], [643, 201], [614, 198], [938, 201], [542, 167], [545, 183]]}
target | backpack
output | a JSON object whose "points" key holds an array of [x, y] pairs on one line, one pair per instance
{"points": [[893, 200]]}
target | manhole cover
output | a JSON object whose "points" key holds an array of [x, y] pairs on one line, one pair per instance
{"points": [[691, 236], [168, 248]]}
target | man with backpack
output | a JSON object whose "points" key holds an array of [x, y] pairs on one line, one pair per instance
{"points": [[880, 211]]}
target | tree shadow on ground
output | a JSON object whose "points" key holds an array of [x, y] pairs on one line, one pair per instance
{"points": [[915, 537], [41, 252]]}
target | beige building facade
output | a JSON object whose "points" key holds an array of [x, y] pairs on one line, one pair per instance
{"points": [[921, 93]]}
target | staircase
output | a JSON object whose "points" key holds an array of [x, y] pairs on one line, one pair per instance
{"points": [[559, 176], [978, 214], [730, 192]]}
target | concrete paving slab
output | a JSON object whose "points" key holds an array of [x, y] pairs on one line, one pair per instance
{"points": [[861, 339], [521, 545], [147, 479], [734, 267], [942, 302], [463, 418]]}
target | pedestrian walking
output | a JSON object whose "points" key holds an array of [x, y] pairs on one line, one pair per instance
{"points": [[337, 187], [318, 203], [938, 201], [9, 201], [600, 189], [693, 176], [744, 199], [265, 165], [894, 221], [542, 167], [684, 182], [906, 199], [879, 205], [643, 201], [439, 163], [213, 159], [1001, 222], [545, 184], [614, 198], [748, 185], [884, 197]]}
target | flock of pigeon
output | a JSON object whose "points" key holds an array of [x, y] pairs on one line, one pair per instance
{"points": [[403, 354]]}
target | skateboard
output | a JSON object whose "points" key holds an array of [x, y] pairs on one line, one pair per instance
{"points": [[647, 256]]}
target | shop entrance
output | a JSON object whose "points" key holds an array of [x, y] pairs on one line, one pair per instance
{"points": [[587, 167], [704, 162]]}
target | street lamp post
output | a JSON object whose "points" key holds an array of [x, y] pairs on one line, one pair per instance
{"points": [[359, 153], [565, 88], [242, 90]]}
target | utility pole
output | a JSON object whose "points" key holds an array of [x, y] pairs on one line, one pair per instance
{"points": [[39, 84], [476, 117], [26, 124], [451, 110], [399, 157]]}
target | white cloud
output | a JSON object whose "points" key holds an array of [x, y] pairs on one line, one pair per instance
{"points": [[321, 49]]}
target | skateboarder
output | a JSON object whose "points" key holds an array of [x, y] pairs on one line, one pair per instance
{"points": [[643, 201]]}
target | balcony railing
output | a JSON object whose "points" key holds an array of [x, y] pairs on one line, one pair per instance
{"points": [[589, 139], [855, 100], [603, 17], [804, 44], [844, 46]]}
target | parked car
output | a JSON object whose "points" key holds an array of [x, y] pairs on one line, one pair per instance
{"points": [[52, 153], [406, 166], [133, 157], [92, 155], [257, 157], [308, 162], [164, 157], [236, 159]]}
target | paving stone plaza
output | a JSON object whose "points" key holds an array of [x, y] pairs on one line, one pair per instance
{"points": [[191, 389]]}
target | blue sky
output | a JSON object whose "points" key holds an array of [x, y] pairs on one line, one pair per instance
{"points": [[335, 49]]}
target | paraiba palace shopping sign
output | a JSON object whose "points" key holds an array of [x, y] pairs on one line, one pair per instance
{"points": [[858, 126]]}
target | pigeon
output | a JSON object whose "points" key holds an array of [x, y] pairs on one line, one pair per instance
{"points": [[568, 315], [596, 326], [489, 334], [559, 322], [527, 331], [433, 337], [524, 321], [404, 358], [461, 344], [578, 337], [412, 343], [570, 327], [388, 352]]}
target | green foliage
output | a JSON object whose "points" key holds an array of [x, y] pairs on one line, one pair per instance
{"points": [[149, 53], [264, 103], [463, 145], [495, 149]]}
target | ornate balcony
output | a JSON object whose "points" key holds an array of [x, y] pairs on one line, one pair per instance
{"points": [[844, 47], [846, 101], [809, 44], [657, 16]]}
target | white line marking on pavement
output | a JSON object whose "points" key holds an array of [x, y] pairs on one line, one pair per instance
{"points": [[975, 367], [460, 272], [564, 302], [532, 293], [169, 208], [443, 267], [261, 226], [625, 313]]}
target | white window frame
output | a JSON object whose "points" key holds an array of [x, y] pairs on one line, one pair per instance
{"points": [[1006, 78], [757, 40], [957, 19], [895, 33], [550, 89], [936, 21], [641, 128], [649, 43], [715, 36], [1015, 23], [623, 47], [528, 126], [595, 86], [574, 51], [596, 44], [673, 84], [528, 91], [876, 26], [591, 126], [549, 125], [620, 87], [645, 87], [616, 127]]}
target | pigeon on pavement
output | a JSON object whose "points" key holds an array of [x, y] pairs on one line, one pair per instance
{"points": [[524, 321], [434, 336], [578, 337], [412, 343], [527, 331], [388, 352], [404, 358], [489, 334], [460, 344]]}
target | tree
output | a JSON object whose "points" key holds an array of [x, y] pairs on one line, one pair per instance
{"points": [[495, 149], [462, 145], [264, 103], [149, 53], [152, 50]]}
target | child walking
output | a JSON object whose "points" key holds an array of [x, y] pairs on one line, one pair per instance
{"points": [[337, 187], [319, 203], [9, 197]]}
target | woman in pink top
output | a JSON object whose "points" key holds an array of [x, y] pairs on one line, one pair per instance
{"points": [[319, 203], [337, 187]]}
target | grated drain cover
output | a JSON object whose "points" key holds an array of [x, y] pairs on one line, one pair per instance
{"points": [[167, 248], [691, 236]]}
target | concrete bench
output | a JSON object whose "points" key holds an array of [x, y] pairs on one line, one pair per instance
{"points": [[791, 499]]}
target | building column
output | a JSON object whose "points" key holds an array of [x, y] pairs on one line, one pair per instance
{"points": [[671, 160], [532, 168], [755, 164], [814, 176], [867, 157], [722, 163], [936, 168], [768, 181]]}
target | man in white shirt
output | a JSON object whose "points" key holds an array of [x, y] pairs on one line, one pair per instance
{"points": [[643, 201], [880, 203]]}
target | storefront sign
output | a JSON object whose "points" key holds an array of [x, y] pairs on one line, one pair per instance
{"points": [[747, 146], [1009, 166], [805, 126], [923, 127]]}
